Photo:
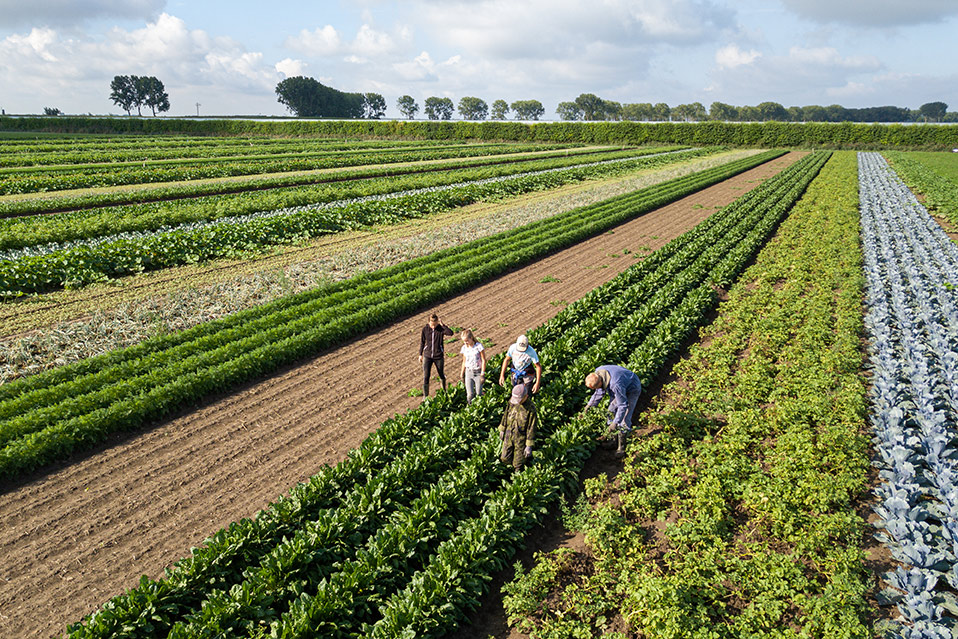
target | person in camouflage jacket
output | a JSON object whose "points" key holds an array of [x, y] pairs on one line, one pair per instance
{"points": [[517, 429]]}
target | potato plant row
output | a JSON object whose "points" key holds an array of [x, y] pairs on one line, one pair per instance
{"points": [[44, 179], [329, 578], [939, 188], [115, 150], [912, 320], [229, 237], [75, 204], [51, 414]]}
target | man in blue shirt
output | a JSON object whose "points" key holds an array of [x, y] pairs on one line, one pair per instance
{"points": [[624, 387]]}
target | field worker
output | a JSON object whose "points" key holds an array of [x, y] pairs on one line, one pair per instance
{"points": [[524, 361], [473, 365], [432, 351], [517, 429], [625, 387]]}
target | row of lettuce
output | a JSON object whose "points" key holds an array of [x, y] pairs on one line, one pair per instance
{"points": [[85, 176], [762, 135], [912, 321], [738, 514], [402, 537], [65, 202], [52, 267], [47, 416]]}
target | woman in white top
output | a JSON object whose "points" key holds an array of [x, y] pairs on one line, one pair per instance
{"points": [[473, 365]]}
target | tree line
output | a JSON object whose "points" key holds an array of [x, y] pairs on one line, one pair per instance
{"points": [[136, 91], [589, 106]]}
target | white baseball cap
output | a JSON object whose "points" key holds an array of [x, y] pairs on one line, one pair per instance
{"points": [[522, 343]]}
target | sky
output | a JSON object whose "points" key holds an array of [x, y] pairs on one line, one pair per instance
{"points": [[226, 58]]}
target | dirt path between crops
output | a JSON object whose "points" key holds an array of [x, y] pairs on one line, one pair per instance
{"points": [[82, 533]]}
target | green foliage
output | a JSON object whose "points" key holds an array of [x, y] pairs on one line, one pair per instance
{"points": [[309, 98], [407, 106], [932, 175], [736, 517]]}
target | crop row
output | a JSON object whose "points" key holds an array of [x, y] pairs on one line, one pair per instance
{"points": [[21, 207], [736, 516], [912, 320], [98, 260], [50, 414], [114, 151], [939, 191], [96, 175], [328, 578], [199, 203]]}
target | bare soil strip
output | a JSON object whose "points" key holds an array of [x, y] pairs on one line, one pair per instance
{"points": [[85, 532]]}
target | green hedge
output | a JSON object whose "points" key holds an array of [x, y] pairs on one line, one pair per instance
{"points": [[765, 134]]}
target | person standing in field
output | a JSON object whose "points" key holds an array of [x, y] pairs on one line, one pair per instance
{"points": [[517, 429], [526, 369], [432, 351], [624, 387], [473, 365]]}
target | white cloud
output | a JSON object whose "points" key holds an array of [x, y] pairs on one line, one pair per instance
{"points": [[731, 56], [290, 68], [369, 43], [319, 42]]}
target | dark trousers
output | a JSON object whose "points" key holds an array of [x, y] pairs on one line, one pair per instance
{"points": [[427, 363]]}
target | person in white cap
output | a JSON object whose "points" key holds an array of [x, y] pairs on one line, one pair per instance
{"points": [[526, 368]]}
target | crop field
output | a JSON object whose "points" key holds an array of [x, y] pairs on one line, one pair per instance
{"points": [[239, 475]]}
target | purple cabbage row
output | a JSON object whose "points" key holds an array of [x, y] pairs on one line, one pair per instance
{"points": [[911, 268]]}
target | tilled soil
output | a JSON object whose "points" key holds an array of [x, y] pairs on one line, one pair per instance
{"points": [[86, 531]]}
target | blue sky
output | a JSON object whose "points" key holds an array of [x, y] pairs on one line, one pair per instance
{"points": [[229, 56]]}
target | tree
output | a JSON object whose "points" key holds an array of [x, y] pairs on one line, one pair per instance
{"points": [[796, 114], [439, 108], [639, 111], [499, 110], [933, 111], [569, 111], [592, 106], [472, 108], [52, 111], [723, 112], [661, 111], [407, 106], [772, 111], [152, 93], [528, 109], [306, 97], [123, 92], [374, 106], [814, 113]]}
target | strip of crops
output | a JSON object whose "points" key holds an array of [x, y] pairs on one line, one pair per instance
{"points": [[25, 207], [356, 559], [51, 414], [934, 175], [97, 175], [140, 213], [148, 150], [736, 516], [99, 259], [912, 320]]}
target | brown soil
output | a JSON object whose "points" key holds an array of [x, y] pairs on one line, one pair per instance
{"points": [[83, 532]]}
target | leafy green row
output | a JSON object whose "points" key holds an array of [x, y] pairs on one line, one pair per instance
{"points": [[269, 565], [95, 175], [449, 585], [198, 203], [940, 191], [110, 150], [76, 204], [87, 263]]}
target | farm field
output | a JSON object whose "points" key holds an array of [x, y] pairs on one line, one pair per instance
{"points": [[573, 282], [934, 177], [780, 485]]}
